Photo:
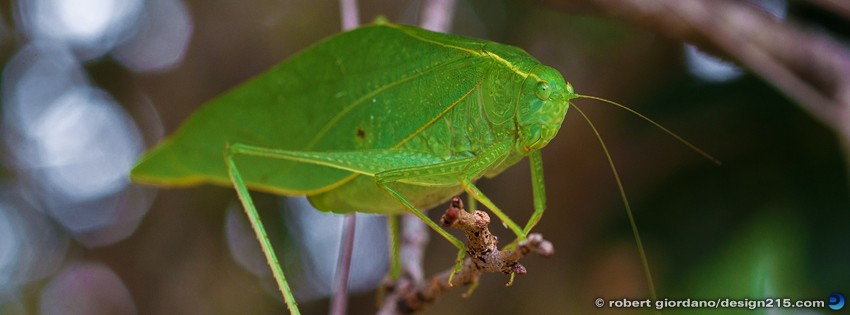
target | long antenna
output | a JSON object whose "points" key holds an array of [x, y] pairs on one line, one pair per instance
{"points": [[693, 147], [626, 202]]}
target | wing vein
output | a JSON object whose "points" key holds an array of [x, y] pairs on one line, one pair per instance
{"points": [[359, 101], [400, 29], [441, 114]]}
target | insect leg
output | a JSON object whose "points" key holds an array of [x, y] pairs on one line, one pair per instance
{"points": [[363, 162], [257, 225], [449, 167], [395, 257], [479, 165], [395, 247], [392, 193], [536, 162]]}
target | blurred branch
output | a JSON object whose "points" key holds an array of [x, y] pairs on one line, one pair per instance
{"points": [[350, 14], [339, 302], [411, 295], [840, 6], [414, 239], [806, 66], [437, 15]]}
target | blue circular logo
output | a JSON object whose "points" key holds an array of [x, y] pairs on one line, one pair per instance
{"points": [[836, 301]]}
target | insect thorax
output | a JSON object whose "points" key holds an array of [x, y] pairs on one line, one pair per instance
{"points": [[486, 115]]}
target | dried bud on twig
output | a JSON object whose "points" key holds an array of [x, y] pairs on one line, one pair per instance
{"points": [[484, 256]]}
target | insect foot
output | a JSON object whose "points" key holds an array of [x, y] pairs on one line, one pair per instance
{"points": [[484, 256]]}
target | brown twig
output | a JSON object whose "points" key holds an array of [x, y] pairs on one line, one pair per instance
{"points": [[410, 295]]}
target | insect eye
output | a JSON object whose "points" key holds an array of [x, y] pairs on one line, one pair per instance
{"points": [[543, 90]]}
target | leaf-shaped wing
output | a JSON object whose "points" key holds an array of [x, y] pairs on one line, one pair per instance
{"points": [[365, 89]]}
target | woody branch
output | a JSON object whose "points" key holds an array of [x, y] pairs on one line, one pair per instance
{"points": [[410, 295], [807, 66]]}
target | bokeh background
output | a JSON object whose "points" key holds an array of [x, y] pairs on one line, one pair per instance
{"points": [[88, 85]]}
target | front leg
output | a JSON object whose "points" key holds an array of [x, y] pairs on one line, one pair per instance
{"points": [[479, 165], [536, 163]]}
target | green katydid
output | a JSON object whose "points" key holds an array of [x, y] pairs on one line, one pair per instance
{"points": [[384, 118]]}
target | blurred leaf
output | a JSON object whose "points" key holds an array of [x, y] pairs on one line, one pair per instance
{"points": [[765, 260]]}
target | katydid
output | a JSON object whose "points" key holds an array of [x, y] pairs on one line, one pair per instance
{"points": [[384, 118]]}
